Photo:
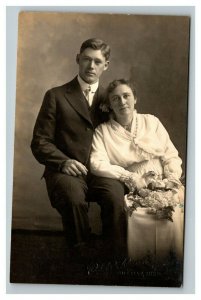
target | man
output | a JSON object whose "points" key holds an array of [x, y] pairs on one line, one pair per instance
{"points": [[62, 138]]}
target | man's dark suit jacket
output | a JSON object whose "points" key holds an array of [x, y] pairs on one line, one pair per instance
{"points": [[65, 125]]}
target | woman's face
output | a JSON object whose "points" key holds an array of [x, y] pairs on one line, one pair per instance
{"points": [[122, 101]]}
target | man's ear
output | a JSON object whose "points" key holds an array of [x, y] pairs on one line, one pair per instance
{"points": [[77, 58], [106, 65]]}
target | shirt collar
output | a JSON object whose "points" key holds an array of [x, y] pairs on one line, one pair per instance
{"points": [[84, 85]]}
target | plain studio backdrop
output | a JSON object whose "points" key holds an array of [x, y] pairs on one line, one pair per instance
{"points": [[153, 51]]}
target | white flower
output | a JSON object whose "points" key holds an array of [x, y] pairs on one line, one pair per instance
{"points": [[104, 107]]}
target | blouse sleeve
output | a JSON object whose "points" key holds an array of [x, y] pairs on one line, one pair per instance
{"points": [[170, 160], [99, 161]]}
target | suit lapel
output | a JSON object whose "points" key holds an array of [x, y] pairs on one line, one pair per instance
{"points": [[97, 97], [77, 100]]}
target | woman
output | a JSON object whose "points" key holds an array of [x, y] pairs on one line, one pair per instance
{"points": [[131, 146]]}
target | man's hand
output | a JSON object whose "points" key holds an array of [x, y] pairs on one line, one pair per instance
{"points": [[74, 168]]}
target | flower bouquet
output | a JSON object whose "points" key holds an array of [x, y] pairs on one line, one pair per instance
{"points": [[161, 196]]}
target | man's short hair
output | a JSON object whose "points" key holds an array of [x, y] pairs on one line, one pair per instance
{"points": [[96, 44]]}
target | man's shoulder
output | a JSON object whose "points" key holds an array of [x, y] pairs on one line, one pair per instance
{"points": [[64, 87], [101, 89]]}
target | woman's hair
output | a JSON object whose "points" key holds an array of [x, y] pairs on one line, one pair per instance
{"points": [[112, 85], [96, 44], [105, 104]]}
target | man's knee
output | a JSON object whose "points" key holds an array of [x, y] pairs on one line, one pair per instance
{"points": [[69, 191]]}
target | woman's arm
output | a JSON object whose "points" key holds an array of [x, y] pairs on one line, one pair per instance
{"points": [[170, 160], [99, 160]]}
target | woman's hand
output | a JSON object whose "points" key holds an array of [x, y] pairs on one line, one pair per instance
{"points": [[133, 181]]}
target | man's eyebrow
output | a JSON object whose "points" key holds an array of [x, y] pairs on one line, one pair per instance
{"points": [[95, 58]]}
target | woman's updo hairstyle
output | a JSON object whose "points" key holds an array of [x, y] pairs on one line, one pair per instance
{"points": [[105, 103]]}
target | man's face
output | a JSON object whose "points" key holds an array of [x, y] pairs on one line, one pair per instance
{"points": [[91, 63]]}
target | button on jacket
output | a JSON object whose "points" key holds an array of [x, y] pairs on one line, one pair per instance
{"points": [[65, 125]]}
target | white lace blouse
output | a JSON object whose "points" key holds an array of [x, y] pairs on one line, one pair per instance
{"points": [[115, 151]]}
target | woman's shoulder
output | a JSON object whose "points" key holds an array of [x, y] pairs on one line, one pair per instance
{"points": [[148, 117], [103, 126]]}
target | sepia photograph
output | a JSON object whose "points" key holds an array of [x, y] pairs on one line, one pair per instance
{"points": [[100, 149]]}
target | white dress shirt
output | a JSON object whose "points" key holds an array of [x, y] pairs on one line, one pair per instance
{"points": [[88, 89]]}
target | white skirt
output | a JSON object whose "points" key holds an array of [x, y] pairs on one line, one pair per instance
{"points": [[148, 235]]}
